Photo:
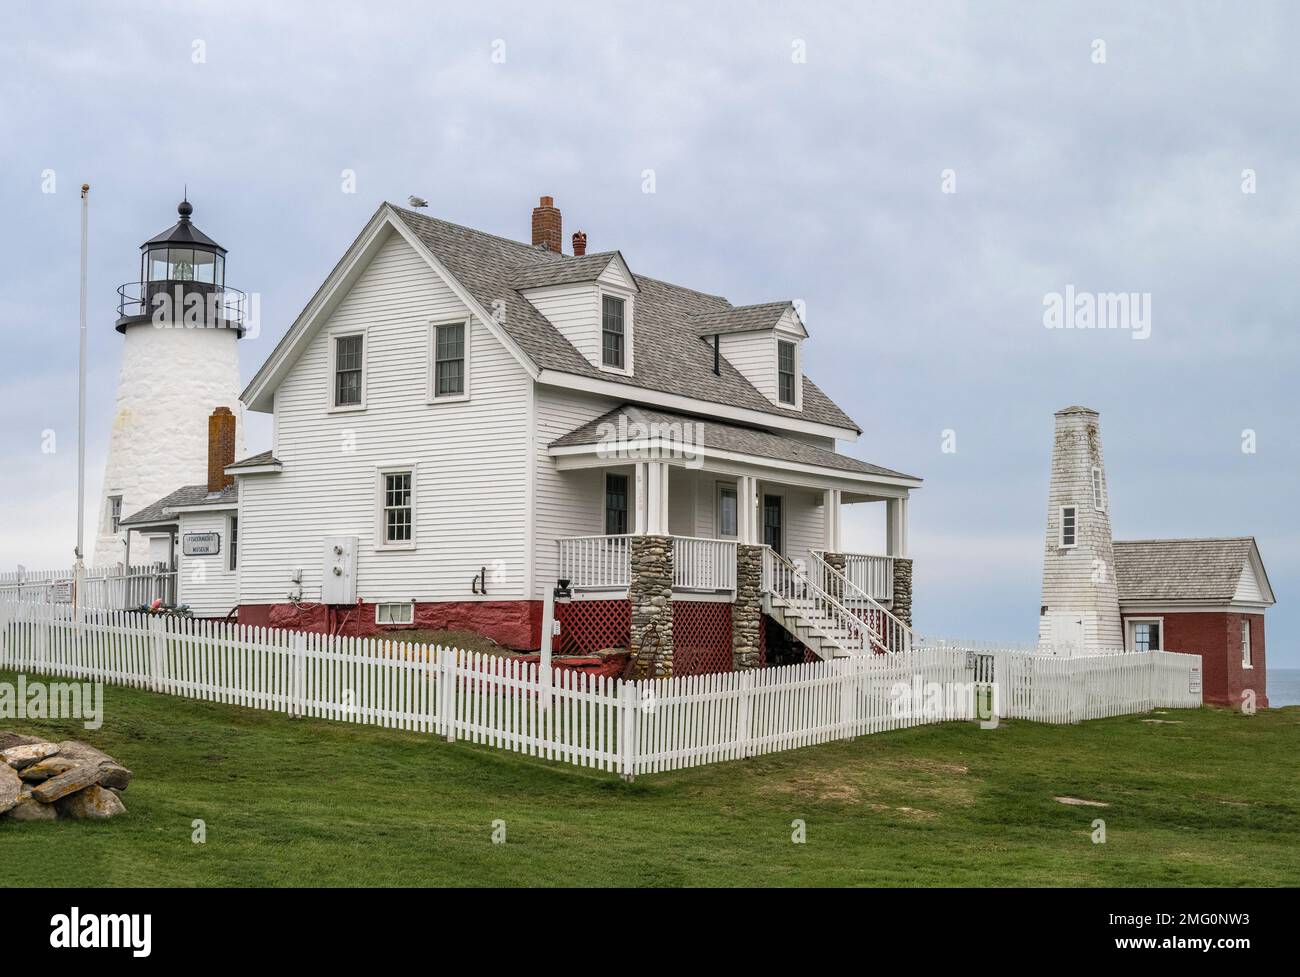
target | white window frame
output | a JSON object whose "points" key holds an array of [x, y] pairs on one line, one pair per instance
{"points": [[114, 514], [629, 329], [1060, 528], [334, 337], [409, 615], [1130, 631], [1098, 489], [381, 473], [1246, 650], [232, 549], [797, 403], [717, 509], [431, 391]]}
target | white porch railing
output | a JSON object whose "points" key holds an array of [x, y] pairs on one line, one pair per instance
{"points": [[874, 574], [704, 564], [595, 562], [887, 632]]}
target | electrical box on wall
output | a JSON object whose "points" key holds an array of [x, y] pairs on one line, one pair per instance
{"points": [[339, 577]]}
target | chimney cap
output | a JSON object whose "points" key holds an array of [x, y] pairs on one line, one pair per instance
{"points": [[546, 202]]}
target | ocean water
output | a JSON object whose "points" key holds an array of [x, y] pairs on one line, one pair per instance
{"points": [[1283, 687]]}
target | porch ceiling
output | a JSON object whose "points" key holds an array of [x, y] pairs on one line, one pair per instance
{"points": [[627, 431]]}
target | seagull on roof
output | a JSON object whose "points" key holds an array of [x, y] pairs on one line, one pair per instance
{"points": [[417, 201]]}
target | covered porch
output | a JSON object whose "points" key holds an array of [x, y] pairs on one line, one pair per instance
{"points": [[712, 488]]}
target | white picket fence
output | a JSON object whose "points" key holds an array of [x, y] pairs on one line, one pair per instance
{"points": [[119, 588], [591, 721]]}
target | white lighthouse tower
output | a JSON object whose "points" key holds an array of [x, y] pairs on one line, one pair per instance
{"points": [[180, 324], [1080, 609]]}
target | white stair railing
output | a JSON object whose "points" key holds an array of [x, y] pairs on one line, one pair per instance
{"points": [[888, 632], [792, 586]]}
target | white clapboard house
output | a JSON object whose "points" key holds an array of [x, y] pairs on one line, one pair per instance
{"points": [[461, 420]]}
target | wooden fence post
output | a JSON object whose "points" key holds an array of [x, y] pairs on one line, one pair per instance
{"points": [[298, 686], [744, 740], [158, 651], [447, 690], [629, 703]]}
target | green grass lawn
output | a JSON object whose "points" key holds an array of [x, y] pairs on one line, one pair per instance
{"points": [[1206, 798]]}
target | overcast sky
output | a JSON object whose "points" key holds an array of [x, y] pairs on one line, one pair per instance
{"points": [[798, 151]]}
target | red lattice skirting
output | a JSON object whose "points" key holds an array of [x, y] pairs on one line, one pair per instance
{"points": [[701, 637], [593, 625]]}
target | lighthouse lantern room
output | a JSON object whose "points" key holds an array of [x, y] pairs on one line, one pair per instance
{"points": [[180, 324]]}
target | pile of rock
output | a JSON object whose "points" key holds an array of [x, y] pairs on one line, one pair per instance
{"points": [[41, 781]]}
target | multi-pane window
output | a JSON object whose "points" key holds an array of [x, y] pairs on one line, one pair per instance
{"points": [[114, 513], [449, 360], [395, 613], [1069, 525], [1146, 636], [1098, 494], [615, 505], [785, 371], [1245, 645], [611, 332], [234, 544], [347, 370], [772, 522], [727, 510], [397, 511]]}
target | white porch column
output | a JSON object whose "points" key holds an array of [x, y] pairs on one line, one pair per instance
{"points": [[652, 497], [639, 492], [748, 530], [896, 527], [831, 527]]}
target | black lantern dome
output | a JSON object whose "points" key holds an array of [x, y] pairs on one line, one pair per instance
{"points": [[181, 270]]}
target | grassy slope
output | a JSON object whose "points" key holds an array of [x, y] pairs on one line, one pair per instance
{"points": [[1212, 799]]}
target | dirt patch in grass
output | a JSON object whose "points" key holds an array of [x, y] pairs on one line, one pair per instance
{"points": [[885, 785]]}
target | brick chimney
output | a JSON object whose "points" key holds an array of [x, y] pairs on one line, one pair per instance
{"points": [[579, 243], [221, 448], [547, 230]]}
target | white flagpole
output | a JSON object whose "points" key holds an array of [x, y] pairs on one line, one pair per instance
{"points": [[81, 406]]}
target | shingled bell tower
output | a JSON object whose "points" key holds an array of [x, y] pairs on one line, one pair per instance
{"points": [[1080, 606]]}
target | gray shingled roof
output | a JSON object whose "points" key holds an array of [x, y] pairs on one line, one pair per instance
{"points": [[187, 496], [728, 437], [254, 461], [586, 268], [742, 318], [668, 354], [1181, 569]]}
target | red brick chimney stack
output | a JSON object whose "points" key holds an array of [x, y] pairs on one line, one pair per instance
{"points": [[579, 243], [547, 230], [221, 448]]}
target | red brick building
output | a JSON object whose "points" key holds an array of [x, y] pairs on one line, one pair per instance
{"points": [[1204, 597]]}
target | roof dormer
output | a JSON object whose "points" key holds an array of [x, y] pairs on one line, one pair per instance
{"points": [[765, 343], [591, 300]]}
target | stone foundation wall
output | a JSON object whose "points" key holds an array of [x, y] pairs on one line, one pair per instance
{"points": [[834, 586], [650, 592], [747, 612], [903, 590]]}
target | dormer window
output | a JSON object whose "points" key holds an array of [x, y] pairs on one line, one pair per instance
{"points": [[785, 371], [612, 334]]}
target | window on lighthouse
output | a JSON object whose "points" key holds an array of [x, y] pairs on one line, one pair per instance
{"points": [[1069, 526]]}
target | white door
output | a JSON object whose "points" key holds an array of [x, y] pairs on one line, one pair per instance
{"points": [[1067, 631]]}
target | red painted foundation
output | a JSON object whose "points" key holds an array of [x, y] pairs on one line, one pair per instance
{"points": [[515, 624], [1216, 637]]}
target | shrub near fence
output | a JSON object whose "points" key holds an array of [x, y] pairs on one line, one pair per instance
{"points": [[590, 721]]}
